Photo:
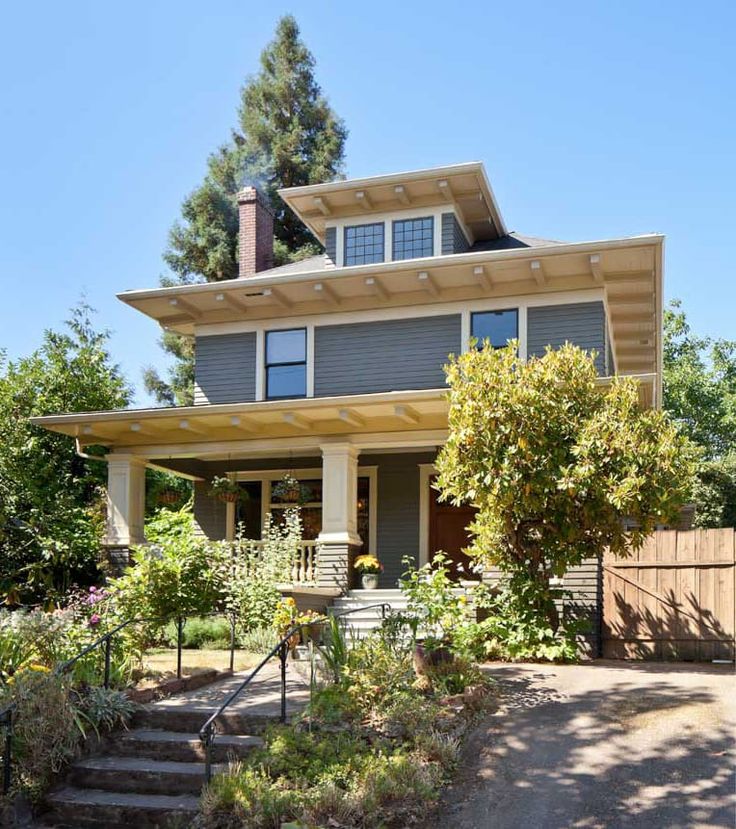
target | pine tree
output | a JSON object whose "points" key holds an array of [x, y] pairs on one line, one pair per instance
{"points": [[287, 135]]}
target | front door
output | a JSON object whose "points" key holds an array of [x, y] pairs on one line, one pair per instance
{"points": [[448, 533]]}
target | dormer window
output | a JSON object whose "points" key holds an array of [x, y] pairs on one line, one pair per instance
{"points": [[364, 244], [413, 238]]}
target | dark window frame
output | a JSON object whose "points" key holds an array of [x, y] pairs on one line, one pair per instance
{"points": [[474, 314], [267, 365], [394, 237], [363, 259]]}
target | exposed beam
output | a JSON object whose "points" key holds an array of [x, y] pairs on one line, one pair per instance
{"points": [[327, 293], [297, 421], [631, 309], [595, 267], [244, 424], [443, 185], [277, 297], [427, 283], [407, 414], [632, 316], [537, 269], [376, 287], [480, 272], [182, 305], [402, 194], [321, 203], [351, 418], [195, 429], [233, 302], [364, 200]]}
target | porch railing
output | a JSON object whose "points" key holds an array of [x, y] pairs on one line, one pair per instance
{"points": [[304, 565]]}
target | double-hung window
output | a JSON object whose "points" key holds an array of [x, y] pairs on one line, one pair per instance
{"points": [[364, 244], [413, 238], [286, 363], [496, 327]]}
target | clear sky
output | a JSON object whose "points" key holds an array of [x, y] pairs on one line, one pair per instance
{"points": [[594, 119]]}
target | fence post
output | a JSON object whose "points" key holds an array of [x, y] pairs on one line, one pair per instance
{"points": [[284, 650], [179, 636], [108, 648], [232, 643]]}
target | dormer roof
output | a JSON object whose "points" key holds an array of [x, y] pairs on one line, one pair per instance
{"points": [[464, 186]]}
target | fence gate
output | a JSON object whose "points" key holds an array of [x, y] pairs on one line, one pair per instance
{"points": [[674, 599]]}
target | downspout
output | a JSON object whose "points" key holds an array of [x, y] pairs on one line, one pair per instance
{"points": [[86, 455]]}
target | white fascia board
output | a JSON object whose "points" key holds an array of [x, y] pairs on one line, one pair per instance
{"points": [[426, 263]]}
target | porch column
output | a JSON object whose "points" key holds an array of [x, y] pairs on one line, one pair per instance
{"points": [[126, 495], [339, 537]]}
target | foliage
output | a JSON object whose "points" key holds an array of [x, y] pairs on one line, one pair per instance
{"points": [[223, 487], [260, 640], [552, 462], [163, 487], [700, 384], [287, 135], [335, 649], [212, 632], [51, 516], [105, 709], [368, 564], [714, 493]]}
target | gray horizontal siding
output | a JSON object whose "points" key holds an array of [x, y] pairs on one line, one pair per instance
{"points": [[582, 324], [209, 513], [331, 247], [453, 238], [225, 368], [360, 358]]}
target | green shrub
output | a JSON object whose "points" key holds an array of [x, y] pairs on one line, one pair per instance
{"points": [[260, 640], [200, 632]]}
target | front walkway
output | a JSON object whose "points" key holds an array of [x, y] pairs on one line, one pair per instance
{"points": [[601, 745]]}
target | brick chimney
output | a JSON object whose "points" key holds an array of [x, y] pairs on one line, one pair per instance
{"points": [[255, 240]]}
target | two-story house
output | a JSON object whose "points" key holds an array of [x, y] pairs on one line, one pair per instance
{"points": [[332, 367]]}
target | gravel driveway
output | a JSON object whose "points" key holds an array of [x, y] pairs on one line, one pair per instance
{"points": [[602, 744]]}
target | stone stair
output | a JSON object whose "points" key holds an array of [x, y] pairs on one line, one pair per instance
{"points": [[363, 621], [152, 775]]}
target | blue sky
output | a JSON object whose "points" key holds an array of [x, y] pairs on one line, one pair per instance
{"points": [[594, 120]]}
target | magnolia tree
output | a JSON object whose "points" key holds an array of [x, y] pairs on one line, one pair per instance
{"points": [[554, 461]]}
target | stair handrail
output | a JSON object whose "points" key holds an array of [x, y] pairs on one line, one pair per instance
{"points": [[208, 731], [6, 723]]}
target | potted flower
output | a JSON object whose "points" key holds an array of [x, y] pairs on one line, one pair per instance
{"points": [[225, 489], [168, 496], [369, 568]]}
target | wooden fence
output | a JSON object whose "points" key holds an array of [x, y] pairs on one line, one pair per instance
{"points": [[674, 599]]}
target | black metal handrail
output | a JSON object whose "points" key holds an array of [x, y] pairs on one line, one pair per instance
{"points": [[6, 723], [106, 640], [208, 731]]}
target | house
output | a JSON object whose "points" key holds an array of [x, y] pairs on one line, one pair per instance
{"points": [[332, 367]]}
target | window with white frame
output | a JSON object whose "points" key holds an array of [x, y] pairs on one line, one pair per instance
{"points": [[413, 238], [364, 244], [495, 327], [286, 363]]}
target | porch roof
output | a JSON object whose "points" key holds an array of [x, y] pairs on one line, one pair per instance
{"points": [[185, 429]]}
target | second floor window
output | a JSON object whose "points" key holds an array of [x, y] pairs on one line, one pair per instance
{"points": [[498, 327], [364, 244], [413, 238], [286, 363]]}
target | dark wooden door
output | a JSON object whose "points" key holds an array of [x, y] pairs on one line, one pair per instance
{"points": [[448, 533]]}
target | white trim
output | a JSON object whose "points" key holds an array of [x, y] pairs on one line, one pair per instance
{"points": [[268, 476], [310, 361], [260, 391], [426, 470]]}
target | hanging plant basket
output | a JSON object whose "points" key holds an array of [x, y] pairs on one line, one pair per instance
{"points": [[290, 491], [168, 496], [226, 490]]}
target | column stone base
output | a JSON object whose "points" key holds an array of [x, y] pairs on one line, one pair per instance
{"points": [[336, 566], [114, 559]]}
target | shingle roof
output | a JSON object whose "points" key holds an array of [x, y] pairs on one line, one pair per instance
{"points": [[316, 263]]}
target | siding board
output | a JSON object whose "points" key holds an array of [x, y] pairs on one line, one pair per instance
{"points": [[225, 368], [331, 247], [582, 324], [453, 238], [361, 358]]}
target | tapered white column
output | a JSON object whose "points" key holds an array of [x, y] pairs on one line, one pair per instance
{"points": [[339, 534], [126, 500]]}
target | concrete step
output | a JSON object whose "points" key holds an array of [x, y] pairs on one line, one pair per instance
{"points": [[183, 747], [139, 774], [189, 719], [96, 809]]}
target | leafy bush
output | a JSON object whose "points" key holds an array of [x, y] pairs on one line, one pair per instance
{"points": [[260, 640], [104, 708], [200, 632]]}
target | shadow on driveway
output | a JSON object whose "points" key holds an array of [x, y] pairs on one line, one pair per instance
{"points": [[603, 744]]}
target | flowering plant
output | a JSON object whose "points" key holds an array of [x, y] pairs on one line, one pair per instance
{"points": [[368, 564]]}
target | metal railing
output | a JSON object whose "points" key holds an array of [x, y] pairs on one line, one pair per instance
{"points": [[208, 732]]}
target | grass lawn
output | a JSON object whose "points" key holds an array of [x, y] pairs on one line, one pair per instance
{"points": [[161, 662]]}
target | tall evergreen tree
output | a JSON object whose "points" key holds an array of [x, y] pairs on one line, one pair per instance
{"points": [[287, 135]]}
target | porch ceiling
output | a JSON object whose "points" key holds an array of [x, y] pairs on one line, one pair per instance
{"points": [[628, 270]]}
